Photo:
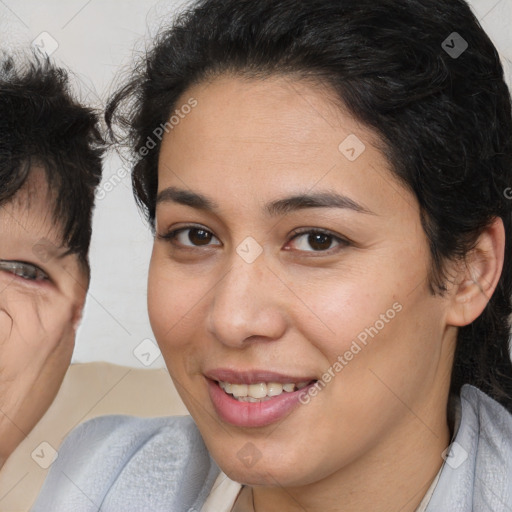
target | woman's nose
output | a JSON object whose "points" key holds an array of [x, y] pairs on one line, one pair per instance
{"points": [[248, 304]]}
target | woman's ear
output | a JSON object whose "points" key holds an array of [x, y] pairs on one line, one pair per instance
{"points": [[478, 276]]}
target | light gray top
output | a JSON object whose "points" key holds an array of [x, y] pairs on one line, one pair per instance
{"points": [[128, 464]]}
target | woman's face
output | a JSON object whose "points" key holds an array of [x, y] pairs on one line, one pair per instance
{"points": [[42, 293], [287, 254]]}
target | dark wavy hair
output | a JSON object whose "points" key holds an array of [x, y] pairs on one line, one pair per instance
{"points": [[444, 119], [42, 124]]}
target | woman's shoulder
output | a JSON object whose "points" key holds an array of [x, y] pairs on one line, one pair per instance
{"points": [[129, 463], [477, 473], [110, 441], [121, 433], [486, 419]]}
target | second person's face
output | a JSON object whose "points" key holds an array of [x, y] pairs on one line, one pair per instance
{"points": [[42, 293]]}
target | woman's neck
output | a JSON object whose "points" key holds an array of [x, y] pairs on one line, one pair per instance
{"points": [[395, 475]]}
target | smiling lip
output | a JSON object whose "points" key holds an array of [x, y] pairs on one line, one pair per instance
{"points": [[257, 414], [253, 376]]}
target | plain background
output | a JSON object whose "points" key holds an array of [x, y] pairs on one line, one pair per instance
{"points": [[99, 40]]}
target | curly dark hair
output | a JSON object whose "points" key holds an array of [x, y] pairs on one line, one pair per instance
{"points": [[42, 124], [444, 118]]}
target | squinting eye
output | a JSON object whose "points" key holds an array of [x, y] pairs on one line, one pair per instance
{"points": [[316, 241], [192, 237], [24, 270]]}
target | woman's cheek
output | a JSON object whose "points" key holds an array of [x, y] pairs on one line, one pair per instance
{"points": [[341, 310], [159, 309], [171, 306]]}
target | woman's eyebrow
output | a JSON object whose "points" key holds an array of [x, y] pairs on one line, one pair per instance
{"points": [[274, 208], [187, 198], [316, 200]]}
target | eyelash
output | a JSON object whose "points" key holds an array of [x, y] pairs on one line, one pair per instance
{"points": [[19, 269], [343, 242]]}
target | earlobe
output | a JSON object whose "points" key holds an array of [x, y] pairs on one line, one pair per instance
{"points": [[479, 276]]}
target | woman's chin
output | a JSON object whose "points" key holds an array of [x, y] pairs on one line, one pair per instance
{"points": [[261, 477], [248, 467]]}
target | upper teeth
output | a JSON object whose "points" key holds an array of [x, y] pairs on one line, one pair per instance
{"points": [[259, 390]]}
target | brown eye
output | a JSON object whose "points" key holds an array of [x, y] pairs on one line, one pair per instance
{"points": [[191, 237], [320, 241], [199, 236], [317, 241]]}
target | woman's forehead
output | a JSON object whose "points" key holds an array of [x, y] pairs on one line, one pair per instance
{"points": [[266, 140]]}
